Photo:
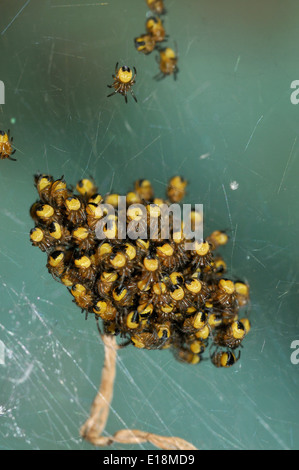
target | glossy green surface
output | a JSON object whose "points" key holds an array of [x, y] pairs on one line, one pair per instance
{"points": [[228, 126]]}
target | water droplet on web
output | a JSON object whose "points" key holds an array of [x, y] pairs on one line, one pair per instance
{"points": [[234, 185]]}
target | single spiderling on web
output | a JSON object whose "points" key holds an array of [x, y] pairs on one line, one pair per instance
{"points": [[123, 81], [157, 6]]}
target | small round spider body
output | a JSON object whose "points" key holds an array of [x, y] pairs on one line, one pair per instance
{"points": [[184, 355], [176, 189], [85, 267], [194, 323], [154, 26], [43, 213], [224, 359], [6, 150], [145, 43], [43, 185], [106, 283], [123, 294], [75, 210], [58, 193], [156, 339], [94, 213], [59, 234], [123, 81], [168, 63], [226, 295], [57, 263], [83, 297], [144, 190], [246, 324], [242, 293], [230, 336], [157, 6], [40, 238], [217, 238], [202, 255], [83, 237], [105, 310], [86, 188]]}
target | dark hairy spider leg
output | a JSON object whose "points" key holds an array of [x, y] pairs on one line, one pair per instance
{"points": [[12, 159], [122, 279], [132, 93], [98, 326], [148, 283], [126, 343], [114, 93], [159, 76]]}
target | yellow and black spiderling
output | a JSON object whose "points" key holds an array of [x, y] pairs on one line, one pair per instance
{"points": [[224, 358], [231, 335], [123, 81], [43, 184], [39, 237], [151, 291], [176, 189], [86, 188], [154, 26], [167, 60], [157, 6], [6, 149], [145, 43]]}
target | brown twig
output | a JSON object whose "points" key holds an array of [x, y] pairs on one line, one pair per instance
{"points": [[95, 424]]}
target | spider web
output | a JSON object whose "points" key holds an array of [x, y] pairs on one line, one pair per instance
{"points": [[227, 126]]}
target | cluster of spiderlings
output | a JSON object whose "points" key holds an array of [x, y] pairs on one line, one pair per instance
{"points": [[153, 293], [152, 39]]}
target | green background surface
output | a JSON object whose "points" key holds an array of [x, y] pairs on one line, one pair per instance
{"points": [[228, 126]]}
